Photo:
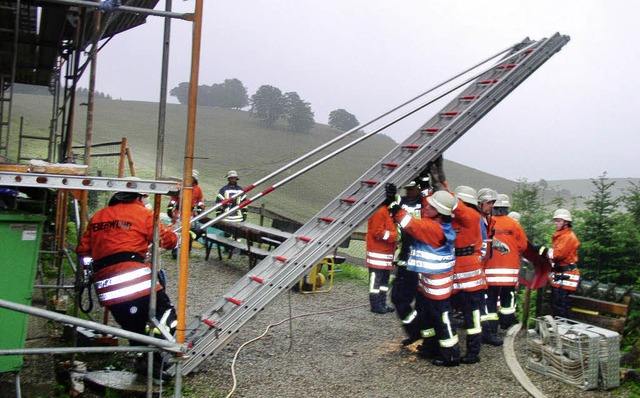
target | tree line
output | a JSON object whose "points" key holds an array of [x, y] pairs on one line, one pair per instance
{"points": [[269, 105], [607, 229]]}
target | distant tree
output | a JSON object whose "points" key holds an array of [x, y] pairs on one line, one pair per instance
{"points": [[631, 201], [596, 233], [342, 120], [268, 105], [205, 96], [181, 92], [527, 200], [298, 113], [233, 95]]}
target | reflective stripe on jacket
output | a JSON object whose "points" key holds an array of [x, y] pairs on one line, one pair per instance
{"points": [[381, 239], [502, 269], [227, 192], [468, 275], [122, 282]]}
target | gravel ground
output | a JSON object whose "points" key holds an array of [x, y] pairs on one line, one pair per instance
{"points": [[335, 347]]}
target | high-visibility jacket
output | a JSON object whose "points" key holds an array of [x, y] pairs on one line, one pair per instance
{"points": [[488, 224], [503, 269], [122, 233], [432, 254], [197, 203], [564, 260], [227, 192], [381, 239], [467, 274]]}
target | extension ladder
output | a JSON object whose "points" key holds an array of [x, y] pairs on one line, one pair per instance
{"points": [[277, 273]]}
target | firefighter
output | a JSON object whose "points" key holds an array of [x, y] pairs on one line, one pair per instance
{"points": [[502, 270], [405, 284], [197, 200], [487, 198], [432, 255], [381, 241], [563, 255], [468, 278], [227, 192], [117, 238]]}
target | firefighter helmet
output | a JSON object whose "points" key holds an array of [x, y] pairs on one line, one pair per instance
{"points": [[466, 194], [503, 201], [128, 196], [487, 195], [562, 214], [232, 173], [195, 174], [443, 202], [515, 215]]}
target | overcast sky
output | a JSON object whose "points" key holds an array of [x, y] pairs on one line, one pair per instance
{"points": [[575, 117]]}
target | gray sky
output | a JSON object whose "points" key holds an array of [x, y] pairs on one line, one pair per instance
{"points": [[573, 118]]}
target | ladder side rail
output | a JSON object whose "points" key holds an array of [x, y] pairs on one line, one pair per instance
{"points": [[285, 279]]}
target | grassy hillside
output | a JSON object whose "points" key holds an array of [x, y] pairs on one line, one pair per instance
{"points": [[230, 139]]}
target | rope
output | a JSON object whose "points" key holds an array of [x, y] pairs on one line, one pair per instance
{"points": [[289, 319]]}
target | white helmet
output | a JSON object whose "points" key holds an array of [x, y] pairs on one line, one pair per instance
{"points": [[232, 173], [515, 215], [195, 174], [443, 202], [487, 195], [503, 201], [466, 194], [562, 214]]}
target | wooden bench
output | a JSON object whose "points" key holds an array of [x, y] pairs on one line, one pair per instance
{"points": [[601, 313], [231, 245], [605, 314]]}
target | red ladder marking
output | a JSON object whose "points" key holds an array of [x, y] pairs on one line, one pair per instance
{"points": [[431, 130], [209, 323], [469, 97], [234, 301], [327, 219], [507, 66], [370, 182], [349, 200], [281, 259], [412, 146], [391, 165], [488, 81], [305, 239], [259, 280], [450, 114]]}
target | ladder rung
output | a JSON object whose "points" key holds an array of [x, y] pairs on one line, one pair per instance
{"points": [[305, 239], [528, 51], [234, 301], [469, 97], [411, 146], [391, 165], [507, 66], [450, 113], [209, 322], [431, 130], [327, 219], [281, 259], [349, 200], [488, 81], [370, 182], [259, 280]]}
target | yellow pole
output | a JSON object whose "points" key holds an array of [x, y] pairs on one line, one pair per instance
{"points": [[187, 187]]}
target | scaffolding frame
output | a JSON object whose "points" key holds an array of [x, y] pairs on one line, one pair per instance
{"points": [[70, 55]]}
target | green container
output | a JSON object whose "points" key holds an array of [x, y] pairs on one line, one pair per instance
{"points": [[20, 236]]}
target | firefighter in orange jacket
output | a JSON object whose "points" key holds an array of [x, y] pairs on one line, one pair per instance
{"points": [[468, 278], [197, 201], [563, 255], [502, 269], [117, 238], [381, 241], [432, 256]]}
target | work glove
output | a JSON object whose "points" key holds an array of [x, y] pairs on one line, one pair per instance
{"points": [[436, 173], [394, 208], [391, 192], [196, 233], [500, 246], [543, 251]]}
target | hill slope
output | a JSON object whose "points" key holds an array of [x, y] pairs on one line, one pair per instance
{"points": [[230, 139]]}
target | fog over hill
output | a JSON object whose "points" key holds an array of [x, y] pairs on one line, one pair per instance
{"points": [[231, 139]]}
